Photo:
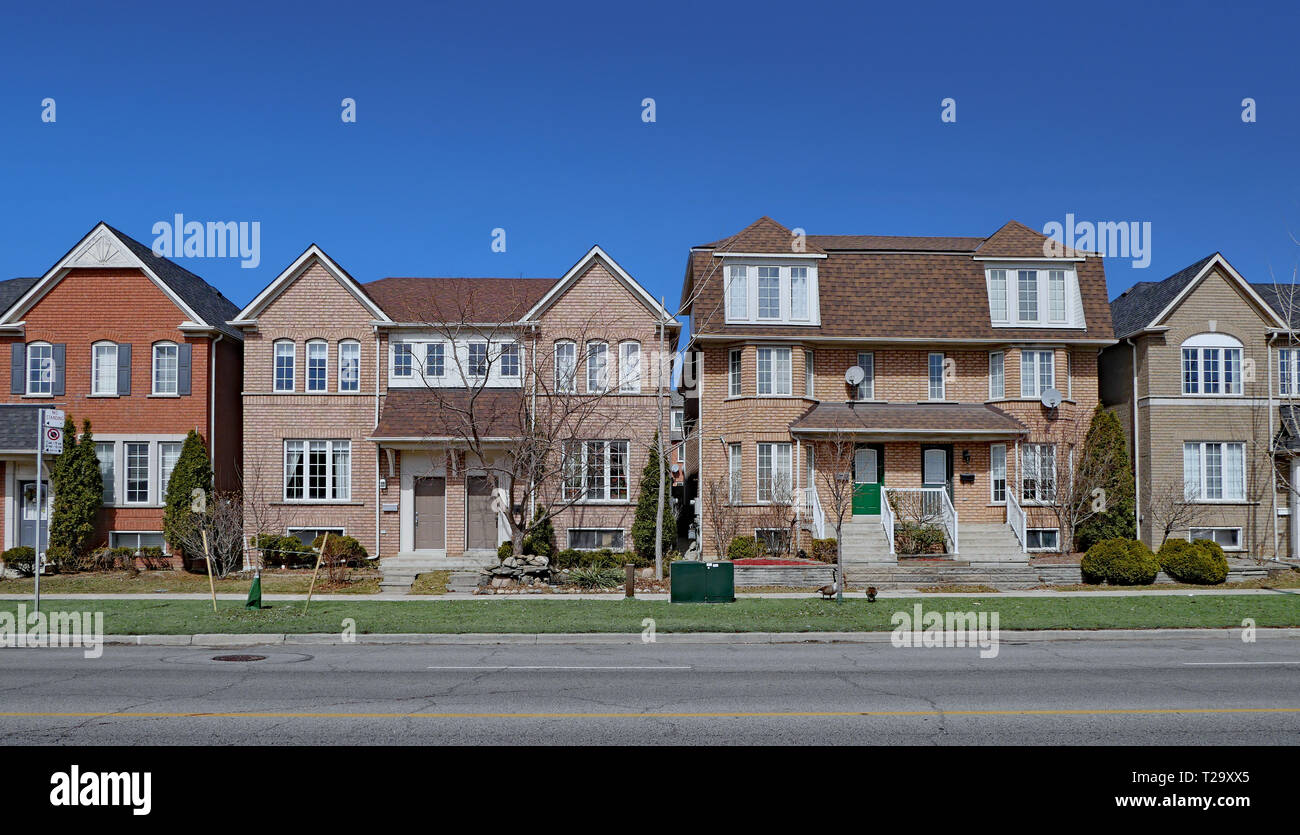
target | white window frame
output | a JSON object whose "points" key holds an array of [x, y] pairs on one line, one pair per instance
{"points": [[510, 356], [998, 310], [349, 383], [276, 356], [779, 458], [1035, 391], [156, 351], [1196, 484], [1057, 295], [1288, 372], [324, 386], [478, 359], [866, 390], [735, 372], [43, 377], [566, 370], [608, 450], [163, 475], [767, 275], [127, 501], [1049, 292], [109, 478], [737, 293], [779, 377], [943, 383], [403, 360], [1040, 532], [735, 474], [996, 452], [809, 379], [629, 367], [799, 313], [1198, 349], [1191, 536], [1031, 459], [96, 367], [332, 445], [597, 371], [742, 291], [997, 375]]}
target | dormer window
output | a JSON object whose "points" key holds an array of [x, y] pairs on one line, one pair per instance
{"points": [[1034, 297], [772, 293]]}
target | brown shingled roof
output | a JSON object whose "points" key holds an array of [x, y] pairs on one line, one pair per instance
{"points": [[763, 235], [444, 413], [896, 243], [903, 418], [1016, 240], [480, 300]]}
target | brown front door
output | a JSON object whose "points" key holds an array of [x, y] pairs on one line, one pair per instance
{"points": [[430, 513], [480, 518]]}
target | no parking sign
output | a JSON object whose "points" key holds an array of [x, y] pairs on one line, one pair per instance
{"points": [[52, 431]]}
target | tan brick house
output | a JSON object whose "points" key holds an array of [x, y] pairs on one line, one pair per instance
{"points": [[973, 363], [381, 410], [1205, 360], [140, 347]]}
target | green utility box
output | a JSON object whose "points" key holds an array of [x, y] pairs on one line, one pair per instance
{"points": [[702, 582]]}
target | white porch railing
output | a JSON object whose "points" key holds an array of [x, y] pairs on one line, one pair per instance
{"points": [[1016, 516], [887, 518], [934, 502], [812, 507]]}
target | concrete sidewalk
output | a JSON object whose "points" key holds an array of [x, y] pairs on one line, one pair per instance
{"points": [[511, 638], [1144, 591]]}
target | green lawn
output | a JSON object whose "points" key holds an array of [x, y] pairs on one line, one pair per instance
{"points": [[779, 615], [180, 582]]}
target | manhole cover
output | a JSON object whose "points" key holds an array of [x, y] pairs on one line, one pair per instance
{"points": [[239, 658]]}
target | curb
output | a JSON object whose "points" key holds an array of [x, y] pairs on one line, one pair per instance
{"points": [[617, 638]]}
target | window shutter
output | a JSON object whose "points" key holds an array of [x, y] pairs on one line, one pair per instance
{"points": [[123, 369], [59, 352], [18, 369], [183, 368]]}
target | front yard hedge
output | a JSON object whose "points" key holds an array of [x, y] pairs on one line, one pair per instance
{"points": [[1201, 562], [1120, 562]]}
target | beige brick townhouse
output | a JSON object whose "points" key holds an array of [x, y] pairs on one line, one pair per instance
{"points": [[1205, 369], [959, 372], [380, 410]]}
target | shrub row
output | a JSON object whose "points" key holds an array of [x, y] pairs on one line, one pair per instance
{"points": [[1128, 562]]}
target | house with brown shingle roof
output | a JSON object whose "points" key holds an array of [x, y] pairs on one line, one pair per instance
{"points": [[951, 376], [387, 410]]}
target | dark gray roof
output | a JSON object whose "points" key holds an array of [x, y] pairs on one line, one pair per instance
{"points": [[1283, 298], [1139, 304], [13, 289], [201, 296], [1288, 433], [18, 426]]}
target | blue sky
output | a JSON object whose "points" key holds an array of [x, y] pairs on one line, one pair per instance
{"points": [[528, 118]]}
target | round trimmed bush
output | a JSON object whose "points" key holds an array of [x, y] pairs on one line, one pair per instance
{"points": [[21, 559], [1201, 562], [1119, 562], [743, 548]]}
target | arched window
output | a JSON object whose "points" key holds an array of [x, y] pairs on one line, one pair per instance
{"points": [[1212, 364], [103, 368], [286, 353], [629, 367], [318, 362], [40, 368], [566, 366], [166, 368], [349, 365]]}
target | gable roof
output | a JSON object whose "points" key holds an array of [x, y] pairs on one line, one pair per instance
{"points": [[763, 236], [594, 255], [469, 300], [1146, 304], [887, 288], [1016, 240], [1283, 298], [311, 255], [107, 247]]}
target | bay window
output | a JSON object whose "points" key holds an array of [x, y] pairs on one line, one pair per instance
{"points": [[775, 476], [1038, 473], [997, 375], [867, 388], [1037, 372], [936, 363], [734, 388], [774, 371]]}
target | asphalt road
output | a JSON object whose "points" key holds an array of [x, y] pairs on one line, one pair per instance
{"points": [[1174, 691]]}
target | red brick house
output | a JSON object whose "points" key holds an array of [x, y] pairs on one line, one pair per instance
{"points": [[958, 370], [137, 345], [356, 397]]}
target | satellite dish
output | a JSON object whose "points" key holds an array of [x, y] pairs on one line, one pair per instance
{"points": [[855, 375], [1051, 398]]}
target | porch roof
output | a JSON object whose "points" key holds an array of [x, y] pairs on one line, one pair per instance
{"points": [[908, 419], [18, 424], [446, 414]]}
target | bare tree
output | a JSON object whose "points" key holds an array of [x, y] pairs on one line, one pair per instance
{"points": [[1168, 509], [1082, 474], [534, 421], [721, 514], [259, 486], [836, 474], [223, 521]]}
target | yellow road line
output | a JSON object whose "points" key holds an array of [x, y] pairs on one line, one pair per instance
{"points": [[1137, 711]]}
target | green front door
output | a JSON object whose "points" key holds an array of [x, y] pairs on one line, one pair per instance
{"points": [[868, 473]]}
